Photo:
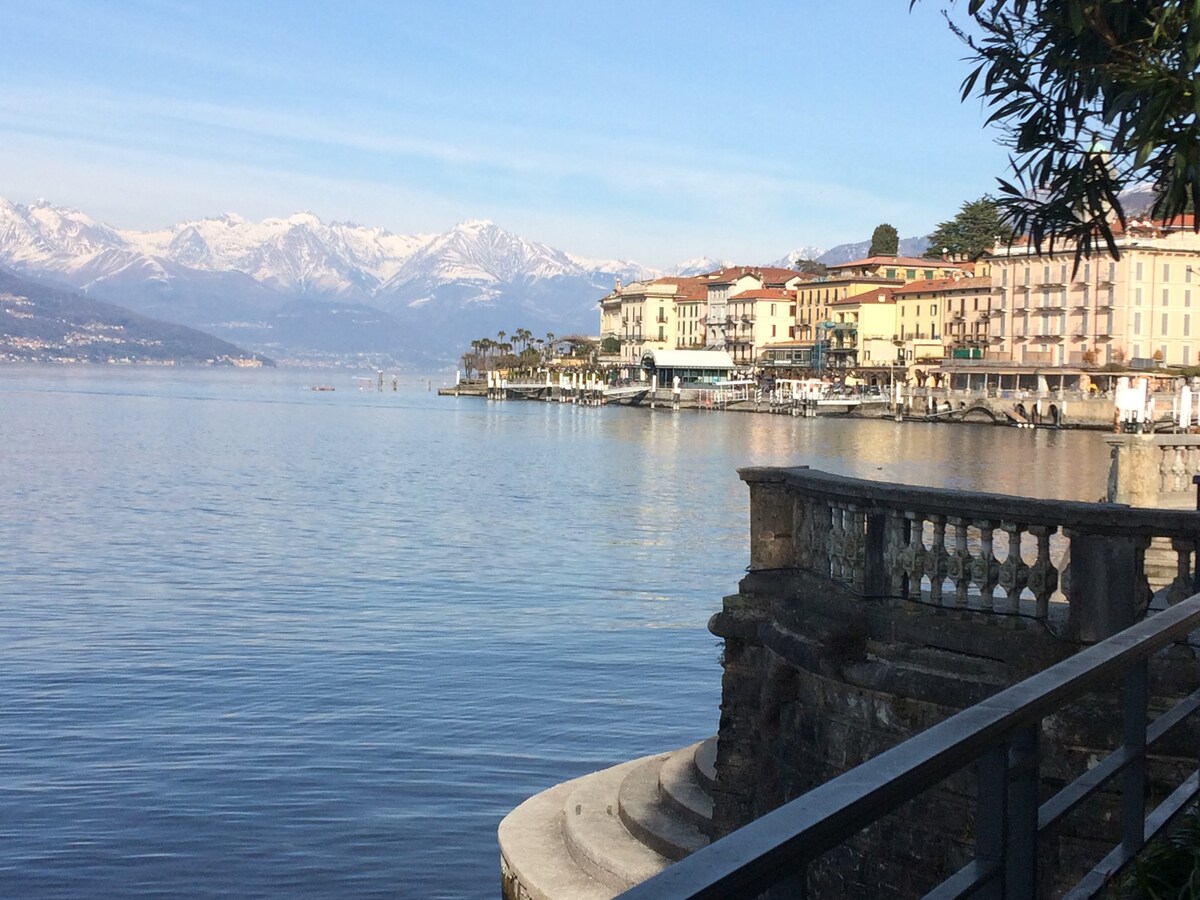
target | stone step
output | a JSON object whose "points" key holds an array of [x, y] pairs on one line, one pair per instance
{"points": [[535, 863], [595, 836], [680, 790], [651, 821], [706, 763]]}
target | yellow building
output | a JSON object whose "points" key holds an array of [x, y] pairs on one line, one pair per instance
{"points": [[860, 330], [1139, 309], [814, 299]]}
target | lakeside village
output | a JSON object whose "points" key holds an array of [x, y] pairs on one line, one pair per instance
{"points": [[1016, 336]]}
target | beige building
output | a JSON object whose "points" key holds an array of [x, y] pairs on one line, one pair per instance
{"points": [[758, 317], [944, 317], [730, 282], [1140, 309], [649, 315]]}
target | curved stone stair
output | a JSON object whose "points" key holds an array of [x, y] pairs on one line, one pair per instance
{"points": [[596, 836]]}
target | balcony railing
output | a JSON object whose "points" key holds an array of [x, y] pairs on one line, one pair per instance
{"points": [[985, 552]]}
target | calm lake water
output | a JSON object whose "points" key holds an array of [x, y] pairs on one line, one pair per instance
{"points": [[259, 640]]}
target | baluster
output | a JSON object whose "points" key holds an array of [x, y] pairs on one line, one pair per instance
{"points": [[895, 545], [915, 553], [985, 571], [1042, 577], [1178, 470], [958, 563], [1013, 571], [935, 563], [1164, 468], [1181, 587]]}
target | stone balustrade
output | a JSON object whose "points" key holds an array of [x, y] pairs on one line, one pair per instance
{"points": [[1078, 568], [1153, 469]]}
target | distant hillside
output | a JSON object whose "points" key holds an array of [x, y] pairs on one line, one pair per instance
{"points": [[43, 324], [844, 253]]}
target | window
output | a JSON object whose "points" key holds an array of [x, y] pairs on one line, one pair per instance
{"points": [[1027, 274], [1087, 272], [1004, 276], [1163, 330], [918, 309], [891, 273], [1166, 297], [1139, 273], [1062, 273], [1137, 295], [933, 309], [928, 273], [772, 331], [976, 304], [1187, 331], [772, 313], [1137, 325], [1187, 298], [910, 274], [1166, 271]]}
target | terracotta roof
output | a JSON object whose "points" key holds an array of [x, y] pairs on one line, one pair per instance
{"points": [[932, 284], [871, 296], [914, 261], [767, 274], [764, 294]]}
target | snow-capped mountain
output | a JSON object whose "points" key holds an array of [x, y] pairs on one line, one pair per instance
{"points": [[299, 253], [701, 265], [260, 281], [800, 253]]}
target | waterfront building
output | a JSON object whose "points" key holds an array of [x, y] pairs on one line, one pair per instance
{"points": [[643, 315], [861, 330], [727, 283], [943, 317], [1139, 309], [814, 299], [694, 312], [691, 367], [757, 317]]}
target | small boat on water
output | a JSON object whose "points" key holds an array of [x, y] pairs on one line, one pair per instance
{"points": [[322, 387]]}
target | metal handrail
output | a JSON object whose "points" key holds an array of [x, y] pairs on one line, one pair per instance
{"points": [[1001, 734]]}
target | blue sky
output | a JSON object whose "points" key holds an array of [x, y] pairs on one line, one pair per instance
{"points": [[654, 131]]}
